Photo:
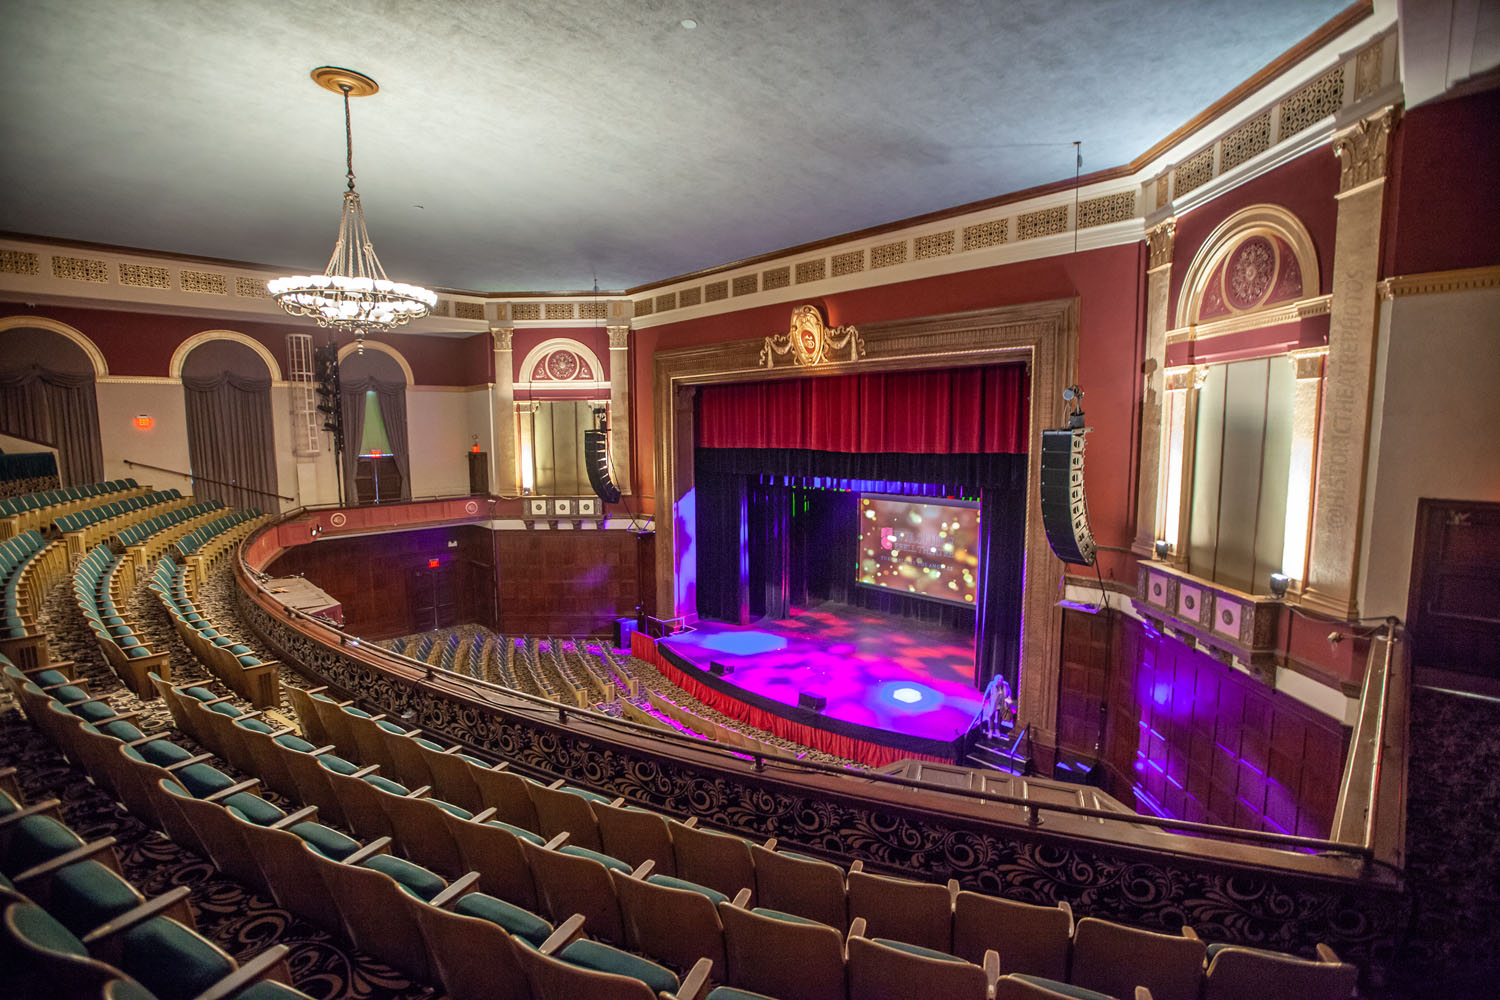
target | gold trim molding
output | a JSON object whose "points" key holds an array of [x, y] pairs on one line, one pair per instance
{"points": [[1290, 312], [78, 337], [810, 342], [1469, 279]]}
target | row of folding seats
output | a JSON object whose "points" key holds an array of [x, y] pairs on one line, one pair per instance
{"points": [[708, 728], [36, 510], [233, 662], [392, 908], [201, 540], [85, 528], [938, 919], [148, 539], [100, 593], [76, 926], [28, 566]]}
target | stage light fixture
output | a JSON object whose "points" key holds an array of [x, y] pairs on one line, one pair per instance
{"points": [[1279, 583], [908, 695]]}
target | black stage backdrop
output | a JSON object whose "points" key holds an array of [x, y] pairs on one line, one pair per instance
{"points": [[778, 527]]}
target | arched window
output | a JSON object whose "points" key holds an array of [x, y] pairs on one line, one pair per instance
{"points": [[1237, 420], [377, 457], [562, 392], [47, 394]]}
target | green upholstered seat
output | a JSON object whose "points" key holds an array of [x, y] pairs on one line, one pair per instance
{"points": [[254, 808], [47, 678], [522, 923], [474, 760], [202, 780], [162, 753], [518, 831], [414, 878], [267, 989], [43, 930], [1066, 989], [387, 785], [449, 807], [125, 732], [171, 961], [731, 993], [326, 840], [35, 839], [201, 693], [293, 742], [585, 793], [227, 708], [672, 882], [603, 958], [255, 725], [87, 895], [912, 949], [390, 727], [94, 711], [790, 918], [603, 859], [69, 692], [357, 713], [336, 764]]}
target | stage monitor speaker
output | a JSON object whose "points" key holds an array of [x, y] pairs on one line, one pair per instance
{"points": [[1065, 513], [811, 701], [596, 458], [624, 629], [720, 669]]}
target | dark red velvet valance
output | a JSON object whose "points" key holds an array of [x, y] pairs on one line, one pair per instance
{"points": [[937, 412]]}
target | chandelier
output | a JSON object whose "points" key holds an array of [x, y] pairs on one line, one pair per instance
{"points": [[352, 295]]}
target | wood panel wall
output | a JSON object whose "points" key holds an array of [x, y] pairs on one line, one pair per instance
{"points": [[386, 585], [566, 582], [1193, 738], [516, 582]]}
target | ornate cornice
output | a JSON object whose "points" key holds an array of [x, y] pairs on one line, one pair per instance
{"points": [[1361, 150], [1469, 279]]}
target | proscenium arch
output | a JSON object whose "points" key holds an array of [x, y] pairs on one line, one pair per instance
{"points": [[179, 356], [1266, 219], [546, 347], [375, 345], [78, 337]]}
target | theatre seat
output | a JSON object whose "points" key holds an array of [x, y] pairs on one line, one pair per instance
{"points": [[882, 969], [1114, 958], [919, 913], [1029, 939], [809, 957], [1236, 973], [797, 884]]}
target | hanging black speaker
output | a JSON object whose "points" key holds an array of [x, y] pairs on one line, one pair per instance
{"points": [[596, 457], [1065, 509]]}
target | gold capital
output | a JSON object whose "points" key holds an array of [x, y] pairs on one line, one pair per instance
{"points": [[1361, 150]]}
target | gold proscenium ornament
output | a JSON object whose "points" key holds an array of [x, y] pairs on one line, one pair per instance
{"points": [[810, 342]]}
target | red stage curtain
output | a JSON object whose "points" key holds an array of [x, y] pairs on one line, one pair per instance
{"points": [[936, 412], [873, 754]]}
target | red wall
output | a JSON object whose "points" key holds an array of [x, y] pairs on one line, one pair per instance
{"points": [[1109, 284], [1442, 211], [1305, 187], [595, 339], [136, 343]]}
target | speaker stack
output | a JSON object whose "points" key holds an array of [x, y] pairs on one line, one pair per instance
{"points": [[1065, 510], [596, 459]]}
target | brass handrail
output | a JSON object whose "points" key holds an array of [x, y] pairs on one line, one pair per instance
{"points": [[1381, 695]]}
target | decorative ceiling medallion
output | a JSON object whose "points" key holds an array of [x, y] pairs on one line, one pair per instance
{"points": [[810, 342]]}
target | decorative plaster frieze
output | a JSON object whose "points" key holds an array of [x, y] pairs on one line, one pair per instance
{"points": [[1469, 279]]}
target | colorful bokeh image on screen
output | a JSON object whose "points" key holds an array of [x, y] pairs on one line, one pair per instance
{"points": [[921, 547]]}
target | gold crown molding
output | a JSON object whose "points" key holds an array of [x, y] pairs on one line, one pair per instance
{"points": [[1469, 279], [1290, 312], [449, 388], [137, 380]]}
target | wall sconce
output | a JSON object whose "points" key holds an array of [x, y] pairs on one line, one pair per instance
{"points": [[145, 421], [1163, 549], [1279, 583]]}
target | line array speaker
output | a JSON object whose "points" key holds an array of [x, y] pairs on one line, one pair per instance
{"points": [[596, 458], [1065, 512]]}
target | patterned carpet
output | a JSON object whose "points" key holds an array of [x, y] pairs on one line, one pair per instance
{"points": [[1453, 865]]}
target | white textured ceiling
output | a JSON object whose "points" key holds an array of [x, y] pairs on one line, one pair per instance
{"points": [[519, 146]]}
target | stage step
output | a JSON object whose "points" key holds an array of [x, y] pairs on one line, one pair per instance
{"points": [[997, 754]]}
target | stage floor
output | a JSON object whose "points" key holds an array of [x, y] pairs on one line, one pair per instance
{"points": [[877, 671]]}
